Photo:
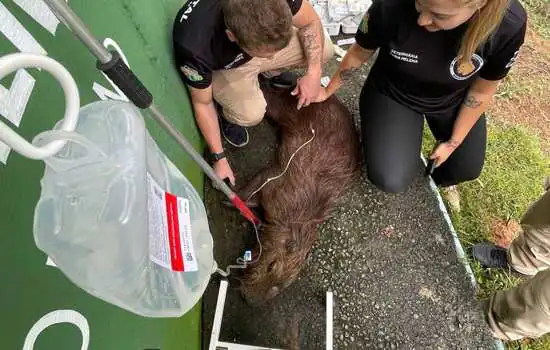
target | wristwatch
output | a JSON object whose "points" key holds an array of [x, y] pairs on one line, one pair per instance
{"points": [[217, 156]]}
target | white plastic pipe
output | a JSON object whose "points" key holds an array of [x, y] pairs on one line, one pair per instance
{"points": [[218, 316], [329, 307], [13, 62]]}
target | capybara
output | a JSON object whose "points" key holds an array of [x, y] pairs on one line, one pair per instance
{"points": [[296, 203]]}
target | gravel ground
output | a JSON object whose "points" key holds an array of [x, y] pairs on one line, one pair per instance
{"points": [[388, 259]]}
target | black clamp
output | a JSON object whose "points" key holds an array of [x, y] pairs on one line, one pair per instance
{"points": [[126, 80]]}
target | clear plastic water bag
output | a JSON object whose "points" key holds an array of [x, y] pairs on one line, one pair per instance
{"points": [[119, 219]]}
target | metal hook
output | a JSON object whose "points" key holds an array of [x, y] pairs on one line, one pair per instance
{"points": [[13, 62]]}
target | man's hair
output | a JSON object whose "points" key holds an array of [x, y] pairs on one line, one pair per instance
{"points": [[259, 24]]}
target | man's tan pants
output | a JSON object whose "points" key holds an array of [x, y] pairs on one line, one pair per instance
{"points": [[238, 91], [524, 311]]}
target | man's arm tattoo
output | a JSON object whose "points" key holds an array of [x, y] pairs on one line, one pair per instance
{"points": [[348, 73], [472, 102], [311, 38]]}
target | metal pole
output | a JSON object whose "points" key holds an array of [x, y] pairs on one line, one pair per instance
{"points": [[182, 141], [66, 15]]}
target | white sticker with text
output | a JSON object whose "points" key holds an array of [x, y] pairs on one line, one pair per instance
{"points": [[170, 239]]}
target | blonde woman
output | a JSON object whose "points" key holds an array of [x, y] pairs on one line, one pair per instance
{"points": [[438, 59]]}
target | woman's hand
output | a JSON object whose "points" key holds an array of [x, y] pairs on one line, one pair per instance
{"points": [[444, 151], [353, 59], [322, 96]]}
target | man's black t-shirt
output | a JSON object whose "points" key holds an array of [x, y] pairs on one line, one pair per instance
{"points": [[201, 44], [419, 68]]}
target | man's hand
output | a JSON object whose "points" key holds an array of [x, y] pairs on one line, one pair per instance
{"points": [[310, 33], [443, 152], [223, 170], [307, 89]]}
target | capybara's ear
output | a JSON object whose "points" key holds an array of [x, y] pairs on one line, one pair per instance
{"points": [[291, 245], [272, 266]]}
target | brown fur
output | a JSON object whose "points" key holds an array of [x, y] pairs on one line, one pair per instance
{"points": [[305, 196]]}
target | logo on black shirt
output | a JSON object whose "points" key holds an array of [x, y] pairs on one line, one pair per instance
{"points": [[190, 6], [236, 60], [404, 56], [512, 60], [191, 73], [464, 71]]}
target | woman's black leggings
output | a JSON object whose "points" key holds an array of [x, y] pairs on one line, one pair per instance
{"points": [[392, 140]]}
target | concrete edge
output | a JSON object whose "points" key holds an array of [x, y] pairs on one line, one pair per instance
{"points": [[456, 242]]}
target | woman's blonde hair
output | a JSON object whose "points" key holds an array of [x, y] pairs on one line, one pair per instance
{"points": [[481, 26]]}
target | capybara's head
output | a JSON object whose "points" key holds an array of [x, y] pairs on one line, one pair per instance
{"points": [[283, 254], [280, 102]]}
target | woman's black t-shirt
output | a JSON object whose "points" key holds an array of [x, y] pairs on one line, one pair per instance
{"points": [[419, 68]]}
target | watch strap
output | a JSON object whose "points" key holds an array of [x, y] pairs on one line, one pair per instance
{"points": [[217, 156]]}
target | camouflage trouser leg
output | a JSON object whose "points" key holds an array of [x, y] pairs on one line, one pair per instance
{"points": [[524, 311]]}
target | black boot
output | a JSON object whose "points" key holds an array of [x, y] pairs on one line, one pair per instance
{"points": [[490, 255]]}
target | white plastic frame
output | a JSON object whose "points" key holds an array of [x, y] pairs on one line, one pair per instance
{"points": [[216, 344], [12, 62]]}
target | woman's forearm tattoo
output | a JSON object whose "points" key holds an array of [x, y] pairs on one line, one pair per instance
{"points": [[348, 73], [472, 102]]}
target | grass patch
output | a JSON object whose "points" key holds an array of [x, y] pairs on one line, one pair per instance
{"points": [[511, 88], [539, 344], [522, 97], [511, 181], [539, 15]]}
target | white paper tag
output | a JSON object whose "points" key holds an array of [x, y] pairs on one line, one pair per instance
{"points": [[170, 239], [348, 41]]}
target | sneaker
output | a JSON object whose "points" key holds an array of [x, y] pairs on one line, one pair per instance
{"points": [[235, 134], [490, 255], [453, 198]]}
